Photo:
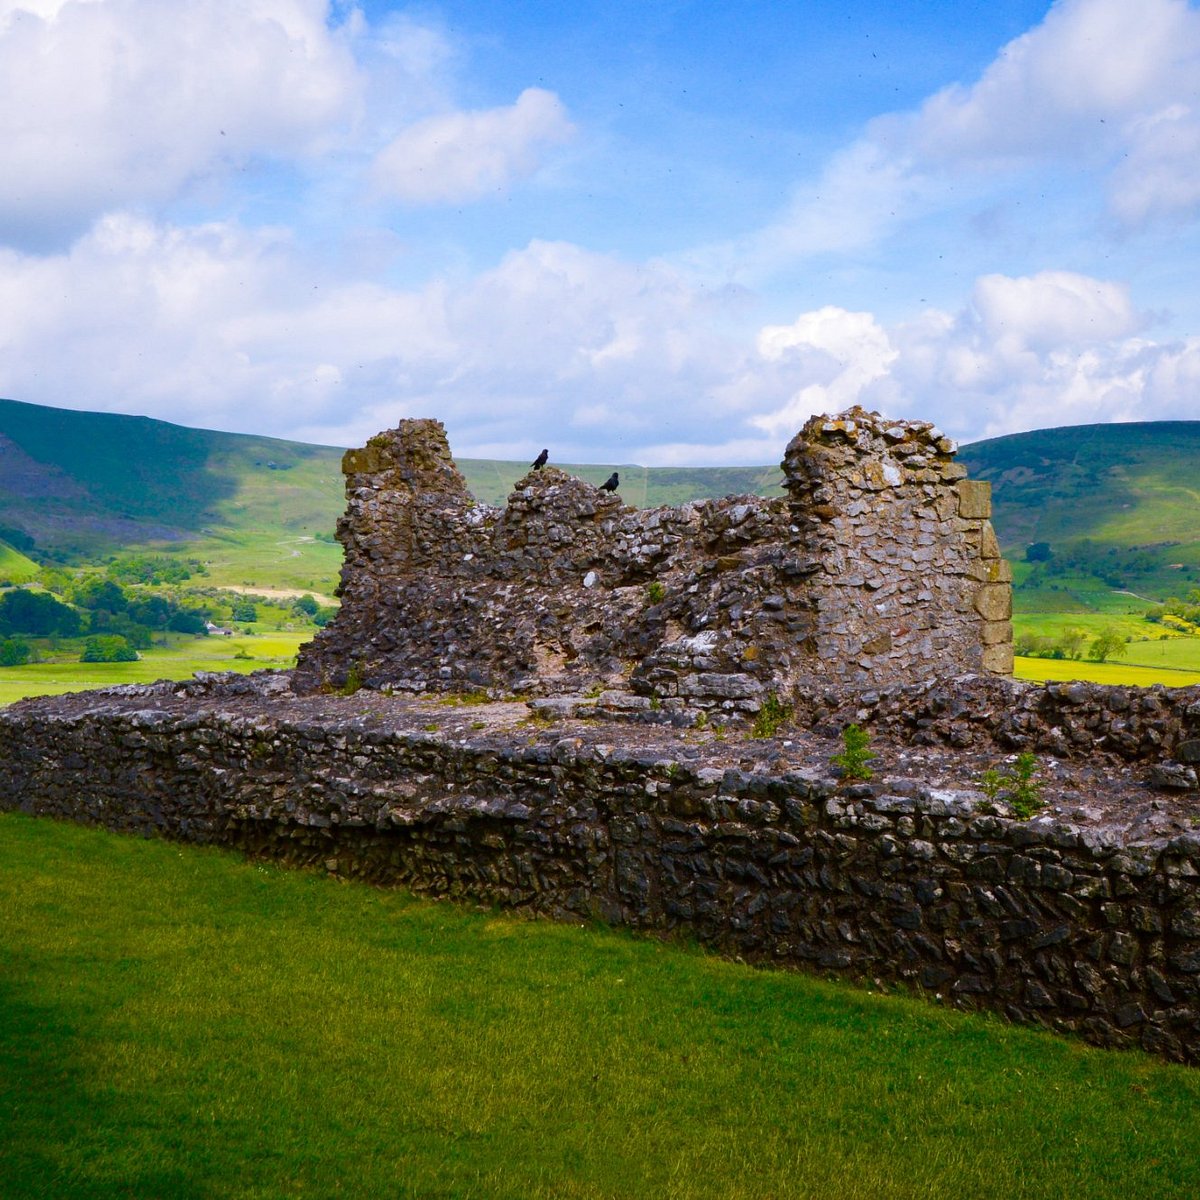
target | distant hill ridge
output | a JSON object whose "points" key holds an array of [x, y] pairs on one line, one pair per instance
{"points": [[83, 486]]}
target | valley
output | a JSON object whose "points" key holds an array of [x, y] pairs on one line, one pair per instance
{"points": [[1099, 522]]}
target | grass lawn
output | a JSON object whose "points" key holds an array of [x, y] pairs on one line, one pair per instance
{"points": [[178, 1022], [180, 660], [296, 561]]}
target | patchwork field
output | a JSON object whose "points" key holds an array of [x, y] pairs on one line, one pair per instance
{"points": [[180, 1022]]}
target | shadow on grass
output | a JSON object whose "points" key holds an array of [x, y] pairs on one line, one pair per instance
{"points": [[57, 1129]]}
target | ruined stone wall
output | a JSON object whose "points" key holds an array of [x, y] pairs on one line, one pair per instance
{"points": [[1083, 929], [879, 565]]}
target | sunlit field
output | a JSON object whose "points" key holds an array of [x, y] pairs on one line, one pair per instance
{"points": [[180, 660], [181, 1023], [1041, 669]]}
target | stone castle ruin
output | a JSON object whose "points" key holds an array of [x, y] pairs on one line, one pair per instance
{"points": [[878, 565], [872, 591]]}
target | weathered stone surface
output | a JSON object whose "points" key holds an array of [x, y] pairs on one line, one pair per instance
{"points": [[974, 499], [997, 633], [864, 574], [993, 602], [989, 547]]}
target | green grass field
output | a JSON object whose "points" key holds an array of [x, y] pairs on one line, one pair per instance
{"points": [[180, 1023], [181, 660]]}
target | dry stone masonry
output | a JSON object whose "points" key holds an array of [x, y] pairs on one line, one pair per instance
{"points": [[872, 591], [1089, 927], [878, 565]]}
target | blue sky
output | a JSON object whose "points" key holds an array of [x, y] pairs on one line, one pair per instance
{"points": [[657, 232]]}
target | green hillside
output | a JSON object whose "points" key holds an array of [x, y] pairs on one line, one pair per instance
{"points": [[1118, 506], [79, 486], [15, 567]]}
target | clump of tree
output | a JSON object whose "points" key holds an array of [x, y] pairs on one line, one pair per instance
{"points": [[154, 569], [107, 648], [1069, 644], [15, 652], [310, 608], [1174, 613], [37, 613], [1108, 643], [1118, 566]]}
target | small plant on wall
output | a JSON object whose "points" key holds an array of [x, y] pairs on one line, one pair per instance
{"points": [[1017, 785], [770, 717], [856, 753]]}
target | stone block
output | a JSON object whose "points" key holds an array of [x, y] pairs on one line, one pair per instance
{"points": [[709, 683], [996, 633], [993, 602], [974, 499], [989, 548], [991, 570], [998, 659]]}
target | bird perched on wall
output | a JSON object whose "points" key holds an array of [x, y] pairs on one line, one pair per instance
{"points": [[539, 462], [611, 483]]}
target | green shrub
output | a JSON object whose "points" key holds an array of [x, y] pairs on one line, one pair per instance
{"points": [[107, 647], [856, 753], [770, 717], [14, 652], [1017, 785], [37, 613], [655, 592]]}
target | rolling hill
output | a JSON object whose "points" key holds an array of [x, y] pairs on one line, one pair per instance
{"points": [[81, 487], [1116, 505]]}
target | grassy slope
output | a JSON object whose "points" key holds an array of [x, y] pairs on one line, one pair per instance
{"points": [[261, 511], [178, 1022], [1129, 485], [256, 510], [15, 567]]}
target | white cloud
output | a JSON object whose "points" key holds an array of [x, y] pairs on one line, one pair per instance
{"points": [[107, 102], [1089, 64], [841, 353], [1054, 309], [1103, 94], [1055, 348], [222, 327], [466, 155]]}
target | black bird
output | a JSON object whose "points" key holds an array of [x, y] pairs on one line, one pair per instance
{"points": [[611, 483], [539, 462]]}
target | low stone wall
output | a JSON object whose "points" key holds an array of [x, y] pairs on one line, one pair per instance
{"points": [[1079, 928]]}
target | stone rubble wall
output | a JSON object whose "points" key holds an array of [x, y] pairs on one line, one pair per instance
{"points": [[1047, 922], [878, 565], [1077, 720]]}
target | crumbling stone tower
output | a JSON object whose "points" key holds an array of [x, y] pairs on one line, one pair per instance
{"points": [[878, 566]]}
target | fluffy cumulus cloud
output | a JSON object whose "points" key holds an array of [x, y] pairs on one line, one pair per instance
{"points": [[840, 354], [460, 156], [1100, 81], [1053, 348], [224, 327], [1102, 91], [109, 102]]}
